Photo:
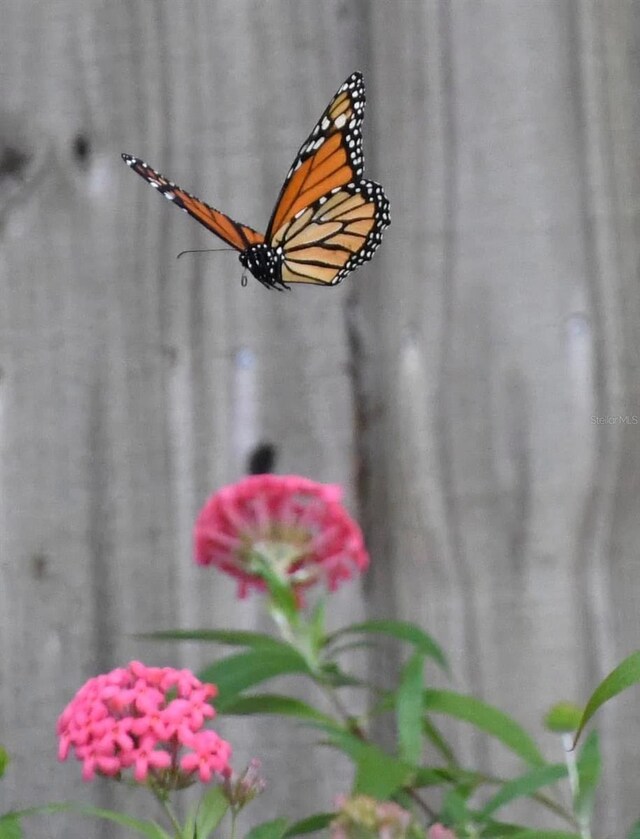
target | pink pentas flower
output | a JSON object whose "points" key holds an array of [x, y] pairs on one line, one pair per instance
{"points": [[299, 526], [209, 755], [241, 788], [439, 831], [362, 816], [147, 719]]}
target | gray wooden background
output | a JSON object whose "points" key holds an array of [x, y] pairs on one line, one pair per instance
{"points": [[451, 385]]}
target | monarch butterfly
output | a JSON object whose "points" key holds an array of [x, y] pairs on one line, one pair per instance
{"points": [[327, 220]]}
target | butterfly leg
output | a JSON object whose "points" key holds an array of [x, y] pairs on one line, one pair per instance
{"points": [[271, 284], [280, 285]]}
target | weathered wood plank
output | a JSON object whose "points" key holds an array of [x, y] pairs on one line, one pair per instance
{"points": [[516, 323], [134, 384]]}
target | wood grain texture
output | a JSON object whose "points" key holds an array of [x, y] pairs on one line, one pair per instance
{"points": [[450, 385]]}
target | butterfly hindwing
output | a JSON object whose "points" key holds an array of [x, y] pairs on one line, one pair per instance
{"points": [[329, 240], [239, 236]]}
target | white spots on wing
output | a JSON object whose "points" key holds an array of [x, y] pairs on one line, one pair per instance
{"points": [[326, 122], [341, 120], [314, 146]]}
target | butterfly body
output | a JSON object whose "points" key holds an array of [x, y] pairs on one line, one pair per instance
{"points": [[265, 263], [327, 220]]}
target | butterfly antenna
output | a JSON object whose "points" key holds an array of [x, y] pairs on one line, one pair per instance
{"points": [[204, 250]]}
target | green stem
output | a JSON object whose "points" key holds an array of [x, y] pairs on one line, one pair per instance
{"points": [[164, 803], [574, 783], [234, 818], [332, 695]]}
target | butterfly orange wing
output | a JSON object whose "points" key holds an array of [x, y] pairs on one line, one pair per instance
{"points": [[330, 239], [330, 157], [239, 236], [328, 219]]}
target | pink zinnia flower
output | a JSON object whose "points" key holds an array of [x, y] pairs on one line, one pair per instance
{"points": [[149, 719], [299, 526]]}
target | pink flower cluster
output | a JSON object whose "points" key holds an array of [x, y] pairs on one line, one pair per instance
{"points": [[148, 719], [298, 525], [363, 816], [438, 831]]}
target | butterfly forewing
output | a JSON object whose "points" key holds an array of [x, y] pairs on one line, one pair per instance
{"points": [[330, 157], [239, 236]]}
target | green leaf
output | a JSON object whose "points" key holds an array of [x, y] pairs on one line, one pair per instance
{"points": [[438, 741], [4, 761], [431, 776], [487, 719], [525, 785], [634, 833], [274, 829], [543, 834], [563, 718], [319, 821], [401, 631], [272, 703], [502, 829], [331, 674], [499, 829], [588, 766], [10, 828], [230, 637], [624, 676], [409, 710], [147, 828], [316, 625], [378, 774], [238, 672], [209, 813], [454, 807], [361, 644]]}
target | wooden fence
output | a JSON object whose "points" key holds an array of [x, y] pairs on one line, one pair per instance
{"points": [[466, 386]]}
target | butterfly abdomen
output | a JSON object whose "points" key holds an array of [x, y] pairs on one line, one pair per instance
{"points": [[265, 263]]}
